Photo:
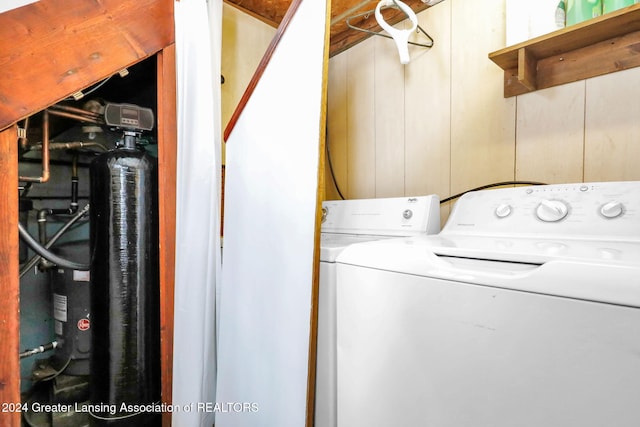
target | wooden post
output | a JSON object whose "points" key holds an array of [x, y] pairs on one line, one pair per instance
{"points": [[9, 281], [167, 154]]}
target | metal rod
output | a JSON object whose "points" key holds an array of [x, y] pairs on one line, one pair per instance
{"points": [[366, 15], [70, 146], [349, 12]]}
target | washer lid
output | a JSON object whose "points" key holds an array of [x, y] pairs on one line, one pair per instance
{"points": [[535, 250], [332, 244], [595, 271]]}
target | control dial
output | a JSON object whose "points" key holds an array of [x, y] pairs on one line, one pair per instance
{"points": [[503, 210], [611, 209], [407, 214], [552, 210]]}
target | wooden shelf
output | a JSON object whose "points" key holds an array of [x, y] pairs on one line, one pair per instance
{"points": [[592, 48]]}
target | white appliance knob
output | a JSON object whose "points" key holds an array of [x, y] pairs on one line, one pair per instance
{"points": [[551, 210], [407, 214], [611, 210], [503, 210]]}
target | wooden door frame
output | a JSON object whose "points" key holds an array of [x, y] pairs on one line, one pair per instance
{"points": [[9, 277], [9, 265], [167, 168]]}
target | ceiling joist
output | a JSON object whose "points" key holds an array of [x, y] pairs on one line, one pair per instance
{"points": [[342, 37]]}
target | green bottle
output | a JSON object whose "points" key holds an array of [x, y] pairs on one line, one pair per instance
{"points": [[582, 10], [611, 5]]}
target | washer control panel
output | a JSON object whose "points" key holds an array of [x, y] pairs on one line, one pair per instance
{"points": [[601, 210], [392, 216]]}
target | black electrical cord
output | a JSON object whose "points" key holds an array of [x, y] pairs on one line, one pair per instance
{"points": [[496, 184], [91, 90], [333, 176], [448, 199]]}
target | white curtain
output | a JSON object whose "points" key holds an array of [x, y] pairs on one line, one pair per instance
{"points": [[198, 46]]}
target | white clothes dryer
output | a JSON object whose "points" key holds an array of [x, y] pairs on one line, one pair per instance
{"points": [[352, 221], [524, 311]]}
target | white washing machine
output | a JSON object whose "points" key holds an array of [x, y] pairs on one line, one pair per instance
{"points": [[523, 312], [346, 222]]}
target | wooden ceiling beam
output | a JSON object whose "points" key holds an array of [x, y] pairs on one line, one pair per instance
{"points": [[342, 37], [254, 8], [49, 50]]}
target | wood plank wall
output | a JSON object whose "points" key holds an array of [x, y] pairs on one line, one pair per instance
{"points": [[441, 125], [244, 41]]}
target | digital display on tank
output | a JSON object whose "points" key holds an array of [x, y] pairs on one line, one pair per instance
{"points": [[128, 116], [129, 113]]}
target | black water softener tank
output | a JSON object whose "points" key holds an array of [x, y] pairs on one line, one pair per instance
{"points": [[125, 357]]}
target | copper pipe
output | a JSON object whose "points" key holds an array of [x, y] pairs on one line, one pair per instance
{"points": [[45, 153], [79, 111], [76, 117]]}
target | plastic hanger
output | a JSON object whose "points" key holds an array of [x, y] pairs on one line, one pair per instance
{"points": [[368, 13], [400, 36]]}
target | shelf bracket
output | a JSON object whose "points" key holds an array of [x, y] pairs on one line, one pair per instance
{"points": [[527, 69]]}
